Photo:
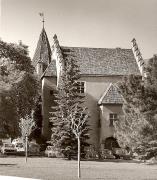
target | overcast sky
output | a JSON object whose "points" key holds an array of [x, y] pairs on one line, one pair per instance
{"points": [[87, 23]]}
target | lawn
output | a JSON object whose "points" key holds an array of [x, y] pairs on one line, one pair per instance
{"points": [[59, 169]]}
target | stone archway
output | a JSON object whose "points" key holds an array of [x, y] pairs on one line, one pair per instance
{"points": [[110, 143]]}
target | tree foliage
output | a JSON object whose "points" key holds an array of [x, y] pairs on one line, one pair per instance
{"points": [[37, 116], [18, 86], [8, 118], [67, 97], [137, 128]]}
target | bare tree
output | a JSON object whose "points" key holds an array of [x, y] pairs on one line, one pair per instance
{"points": [[78, 121], [27, 125]]}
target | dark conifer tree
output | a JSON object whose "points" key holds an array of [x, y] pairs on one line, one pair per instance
{"points": [[37, 116], [67, 96]]}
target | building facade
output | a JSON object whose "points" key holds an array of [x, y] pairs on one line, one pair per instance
{"points": [[101, 69]]}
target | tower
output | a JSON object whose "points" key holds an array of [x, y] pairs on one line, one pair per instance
{"points": [[42, 56]]}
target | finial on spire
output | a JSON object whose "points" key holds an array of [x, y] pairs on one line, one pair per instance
{"points": [[42, 16], [55, 37]]}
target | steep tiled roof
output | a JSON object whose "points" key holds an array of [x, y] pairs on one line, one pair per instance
{"points": [[51, 69], [103, 61], [111, 96], [43, 50]]}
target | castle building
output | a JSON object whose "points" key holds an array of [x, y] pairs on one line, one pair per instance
{"points": [[101, 69]]}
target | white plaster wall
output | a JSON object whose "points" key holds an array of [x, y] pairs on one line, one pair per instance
{"points": [[94, 89], [48, 83], [105, 129]]}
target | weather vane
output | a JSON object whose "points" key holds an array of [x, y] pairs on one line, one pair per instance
{"points": [[42, 16]]}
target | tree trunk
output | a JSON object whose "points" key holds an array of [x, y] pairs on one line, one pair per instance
{"points": [[79, 170], [26, 150]]}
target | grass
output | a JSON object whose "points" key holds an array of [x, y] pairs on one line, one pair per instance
{"points": [[60, 169]]}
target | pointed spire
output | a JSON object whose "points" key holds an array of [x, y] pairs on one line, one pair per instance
{"points": [[138, 56], [43, 51]]}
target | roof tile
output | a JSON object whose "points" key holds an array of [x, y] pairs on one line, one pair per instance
{"points": [[51, 69], [103, 61], [111, 96], [43, 50]]}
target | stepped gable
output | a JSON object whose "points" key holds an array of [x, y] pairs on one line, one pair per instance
{"points": [[43, 50], [104, 61], [111, 96], [138, 56]]}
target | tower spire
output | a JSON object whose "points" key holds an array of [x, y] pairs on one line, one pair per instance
{"points": [[43, 19], [42, 55]]}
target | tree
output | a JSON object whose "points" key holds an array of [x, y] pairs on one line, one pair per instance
{"points": [[18, 86], [126, 129], [78, 126], [27, 125], [67, 97], [137, 129], [8, 118], [37, 116], [150, 110]]}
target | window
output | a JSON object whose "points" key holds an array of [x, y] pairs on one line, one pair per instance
{"points": [[99, 123], [112, 118], [80, 87], [50, 124], [51, 92]]}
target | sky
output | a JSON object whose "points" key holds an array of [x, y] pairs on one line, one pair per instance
{"points": [[82, 23]]}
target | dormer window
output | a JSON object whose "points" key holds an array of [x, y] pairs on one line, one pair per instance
{"points": [[81, 87]]}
